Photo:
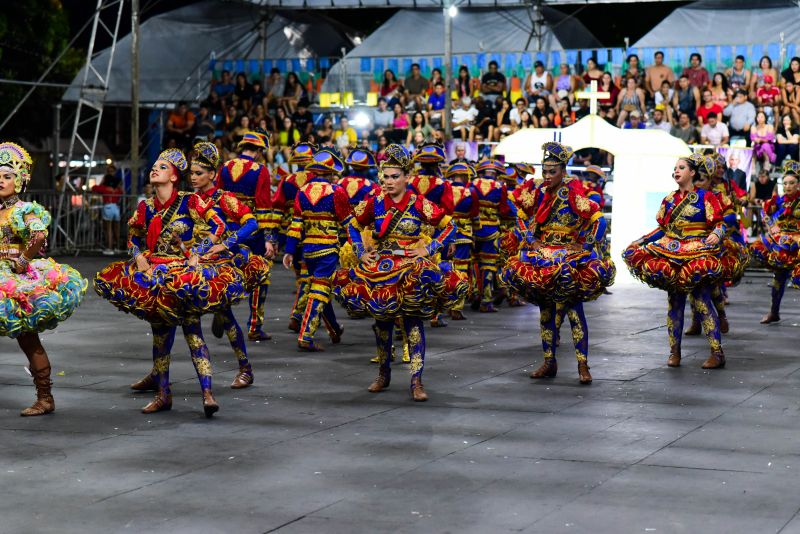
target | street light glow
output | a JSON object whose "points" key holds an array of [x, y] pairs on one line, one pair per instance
{"points": [[452, 11]]}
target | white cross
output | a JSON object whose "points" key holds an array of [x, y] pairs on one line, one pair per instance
{"points": [[593, 95]]}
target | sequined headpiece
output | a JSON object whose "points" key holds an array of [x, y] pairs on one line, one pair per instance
{"points": [[18, 160], [429, 152], [695, 160], [458, 169], [719, 161], [396, 158], [524, 169], [302, 153], [708, 166], [490, 165], [326, 161], [205, 154], [595, 169], [176, 157], [255, 139], [556, 151], [791, 167], [360, 158]]}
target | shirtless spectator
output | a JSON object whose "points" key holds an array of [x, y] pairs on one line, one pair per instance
{"points": [[657, 74]]}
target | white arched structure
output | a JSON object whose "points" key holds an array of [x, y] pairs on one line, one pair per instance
{"points": [[643, 163]]}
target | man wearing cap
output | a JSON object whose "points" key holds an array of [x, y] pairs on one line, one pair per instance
{"points": [[249, 181], [428, 182], [357, 183], [281, 217], [767, 96], [493, 203], [321, 208], [634, 121], [467, 220], [538, 83]]}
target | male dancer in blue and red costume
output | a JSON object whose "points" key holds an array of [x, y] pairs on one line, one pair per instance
{"points": [[281, 218], [321, 209], [357, 183], [428, 182], [466, 220], [249, 181], [493, 204]]}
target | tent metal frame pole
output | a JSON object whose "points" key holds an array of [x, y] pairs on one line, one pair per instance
{"points": [[88, 117], [134, 97], [448, 69]]}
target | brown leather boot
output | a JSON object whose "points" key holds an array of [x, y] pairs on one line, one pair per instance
{"points": [[380, 383], [294, 325], [417, 391], [583, 373], [487, 308], [335, 335], [148, 383], [716, 360], [258, 335], [456, 315], [770, 318], [210, 406], [44, 399], [438, 322], [674, 359], [243, 378], [161, 403], [547, 370], [310, 346], [724, 327], [694, 329]]}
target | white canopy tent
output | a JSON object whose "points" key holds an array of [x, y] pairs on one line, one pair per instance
{"points": [[643, 164], [420, 33], [729, 22], [176, 47]]}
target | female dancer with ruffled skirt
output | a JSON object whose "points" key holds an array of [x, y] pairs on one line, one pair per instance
{"points": [[164, 282], [559, 266], [683, 256], [779, 246], [35, 293], [397, 278]]}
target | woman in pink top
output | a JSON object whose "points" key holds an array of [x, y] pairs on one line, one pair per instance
{"points": [[400, 124], [763, 137]]}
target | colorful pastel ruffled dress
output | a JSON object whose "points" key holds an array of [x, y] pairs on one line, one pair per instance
{"points": [[48, 292]]}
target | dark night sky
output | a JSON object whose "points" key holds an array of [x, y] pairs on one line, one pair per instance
{"points": [[610, 23]]}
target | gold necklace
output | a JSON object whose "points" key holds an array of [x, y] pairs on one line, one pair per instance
{"points": [[9, 202]]}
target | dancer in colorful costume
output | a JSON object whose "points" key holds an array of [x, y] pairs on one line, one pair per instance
{"points": [[779, 246], [321, 209], [683, 256], [164, 282], [36, 293], [281, 218], [508, 242], [429, 183], [558, 266], [493, 204], [397, 278], [249, 181], [735, 256], [466, 219]]}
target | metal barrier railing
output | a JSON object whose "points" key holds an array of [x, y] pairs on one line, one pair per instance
{"points": [[80, 228]]}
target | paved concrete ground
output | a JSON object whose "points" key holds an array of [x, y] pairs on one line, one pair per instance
{"points": [[307, 449]]}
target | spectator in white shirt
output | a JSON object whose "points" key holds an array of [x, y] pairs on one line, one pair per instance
{"points": [[464, 120], [659, 121], [516, 113], [714, 132]]}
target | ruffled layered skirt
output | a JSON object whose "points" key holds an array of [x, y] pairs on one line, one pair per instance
{"points": [[396, 285], [38, 299], [558, 273], [678, 265], [777, 252], [173, 292]]}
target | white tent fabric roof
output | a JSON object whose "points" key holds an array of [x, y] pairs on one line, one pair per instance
{"points": [[419, 33], [726, 23], [176, 47]]}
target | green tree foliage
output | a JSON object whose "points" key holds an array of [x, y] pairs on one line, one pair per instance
{"points": [[32, 34]]}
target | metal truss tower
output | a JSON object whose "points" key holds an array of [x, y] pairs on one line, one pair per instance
{"points": [[85, 129]]}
